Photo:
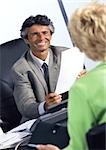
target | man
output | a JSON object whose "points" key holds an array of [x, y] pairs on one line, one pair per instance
{"points": [[33, 94]]}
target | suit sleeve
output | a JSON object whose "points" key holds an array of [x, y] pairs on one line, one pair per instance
{"points": [[24, 95]]}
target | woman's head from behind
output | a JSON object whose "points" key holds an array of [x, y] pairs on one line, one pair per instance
{"points": [[88, 30]]}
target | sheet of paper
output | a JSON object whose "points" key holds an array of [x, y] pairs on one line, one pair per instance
{"points": [[71, 64], [24, 126], [16, 135], [10, 139], [1, 131]]}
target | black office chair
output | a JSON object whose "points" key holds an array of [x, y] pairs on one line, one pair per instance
{"points": [[10, 52], [96, 137]]}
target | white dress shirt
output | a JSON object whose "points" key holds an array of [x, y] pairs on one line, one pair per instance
{"points": [[40, 62]]}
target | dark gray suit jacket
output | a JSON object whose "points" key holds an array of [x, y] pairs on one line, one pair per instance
{"points": [[29, 85]]}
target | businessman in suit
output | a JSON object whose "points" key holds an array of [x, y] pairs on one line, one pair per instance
{"points": [[33, 94]]}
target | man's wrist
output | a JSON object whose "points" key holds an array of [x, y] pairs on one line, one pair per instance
{"points": [[41, 108]]}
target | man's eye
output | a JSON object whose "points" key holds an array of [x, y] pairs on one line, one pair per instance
{"points": [[35, 33], [45, 32]]}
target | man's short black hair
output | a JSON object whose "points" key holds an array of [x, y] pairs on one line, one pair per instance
{"points": [[39, 20]]}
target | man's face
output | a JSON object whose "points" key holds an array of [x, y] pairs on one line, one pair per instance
{"points": [[39, 37]]}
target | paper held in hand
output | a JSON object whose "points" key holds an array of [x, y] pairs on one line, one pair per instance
{"points": [[71, 64]]}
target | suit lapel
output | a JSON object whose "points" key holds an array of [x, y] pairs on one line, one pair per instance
{"points": [[37, 71], [54, 69]]}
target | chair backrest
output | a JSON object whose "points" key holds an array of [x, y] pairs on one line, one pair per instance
{"points": [[10, 52], [96, 137]]}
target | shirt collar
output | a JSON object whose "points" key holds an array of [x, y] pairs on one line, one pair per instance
{"points": [[38, 61]]}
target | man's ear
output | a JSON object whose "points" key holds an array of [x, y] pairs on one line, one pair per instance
{"points": [[27, 42]]}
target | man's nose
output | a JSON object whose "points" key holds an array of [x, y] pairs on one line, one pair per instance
{"points": [[41, 36]]}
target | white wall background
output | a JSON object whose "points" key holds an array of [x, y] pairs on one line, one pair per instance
{"points": [[14, 12]]}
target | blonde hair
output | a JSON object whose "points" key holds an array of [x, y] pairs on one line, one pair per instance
{"points": [[88, 30]]}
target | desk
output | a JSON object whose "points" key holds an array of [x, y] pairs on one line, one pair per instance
{"points": [[56, 117]]}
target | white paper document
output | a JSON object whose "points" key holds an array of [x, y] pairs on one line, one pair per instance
{"points": [[24, 126], [16, 135], [1, 131], [12, 139], [71, 64]]}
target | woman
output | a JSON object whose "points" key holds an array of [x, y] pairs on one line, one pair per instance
{"points": [[87, 99]]}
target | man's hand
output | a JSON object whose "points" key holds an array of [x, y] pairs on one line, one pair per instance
{"points": [[81, 74], [47, 147], [51, 99]]}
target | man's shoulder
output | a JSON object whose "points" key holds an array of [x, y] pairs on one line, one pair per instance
{"points": [[19, 63], [59, 48]]}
